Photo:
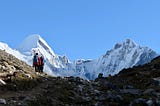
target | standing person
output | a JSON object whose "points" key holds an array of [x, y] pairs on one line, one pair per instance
{"points": [[42, 63], [35, 62]]}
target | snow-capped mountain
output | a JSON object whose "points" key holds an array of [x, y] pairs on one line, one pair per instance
{"points": [[36, 44], [123, 55], [35, 41]]}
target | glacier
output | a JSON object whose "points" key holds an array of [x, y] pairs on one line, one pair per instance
{"points": [[124, 55]]}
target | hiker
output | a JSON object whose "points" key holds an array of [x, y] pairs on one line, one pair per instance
{"points": [[41, 63], [35, 62]]}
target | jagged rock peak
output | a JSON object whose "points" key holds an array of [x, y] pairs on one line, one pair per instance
{"points": [[126, 43], [130, 43]]}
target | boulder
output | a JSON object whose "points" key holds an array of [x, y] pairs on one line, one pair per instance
{"points": [[3, 101]]}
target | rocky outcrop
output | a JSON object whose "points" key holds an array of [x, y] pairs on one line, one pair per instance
{"points": [[15, 76], [12, 68]]}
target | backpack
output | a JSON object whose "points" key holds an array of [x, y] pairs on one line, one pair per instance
{"points": [[40, 60]]}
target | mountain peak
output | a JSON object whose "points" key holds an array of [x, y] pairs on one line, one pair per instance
{"points": [[126, 43], [35, 41], [35, 36], [129, 42], [29, 42]]}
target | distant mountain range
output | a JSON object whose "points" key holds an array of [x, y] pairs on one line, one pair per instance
{"points": [[123, 55]]}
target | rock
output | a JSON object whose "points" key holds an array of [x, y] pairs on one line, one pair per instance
{"points": [[156, 66], [138, 102], [20, 104], [12, 68], [80, 88], [128, 87], [105, 85], [2, 82], [150, 102], [27, 98], [102, 97], [130, 91], [150, 92], [87, 99], [2, 67], [6, 64], [29, 76], [96, 91], [157, 81], [100, 75], [3, 101], [158, 101], [114, 97]]}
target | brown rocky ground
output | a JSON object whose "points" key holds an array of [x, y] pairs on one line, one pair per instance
{"points": [[137, 86]]}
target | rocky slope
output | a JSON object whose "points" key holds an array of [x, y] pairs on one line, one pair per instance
{"points": [[137, 86], [15, 76]]}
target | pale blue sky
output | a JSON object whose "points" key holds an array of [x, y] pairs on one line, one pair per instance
{"points": [[81, 28]]}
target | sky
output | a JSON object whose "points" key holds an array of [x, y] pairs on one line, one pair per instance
{"points": [[81, 29]]}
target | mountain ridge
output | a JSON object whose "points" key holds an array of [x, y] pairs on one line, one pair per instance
{"points": [[123, 55]]}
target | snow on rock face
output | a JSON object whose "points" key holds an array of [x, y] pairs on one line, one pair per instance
{"points": [[35, 41], [124, 55], [36, 44], [16, 53]]}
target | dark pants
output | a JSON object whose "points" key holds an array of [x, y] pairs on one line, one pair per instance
{"points": [[41, 68], [36, 68]]}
